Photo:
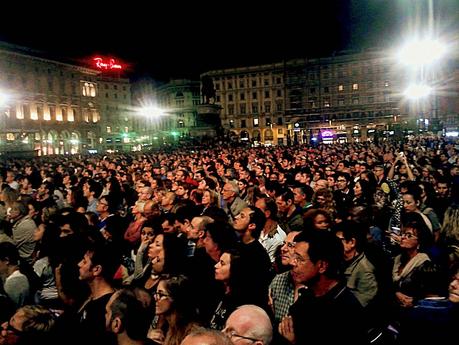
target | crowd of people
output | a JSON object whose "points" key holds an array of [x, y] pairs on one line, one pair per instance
{"points": [[354, 242]]}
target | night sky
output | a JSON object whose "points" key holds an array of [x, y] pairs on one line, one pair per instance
{"points": [[183, 41]]}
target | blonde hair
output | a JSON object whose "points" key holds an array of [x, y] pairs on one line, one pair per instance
{"points": [[450, 228]]}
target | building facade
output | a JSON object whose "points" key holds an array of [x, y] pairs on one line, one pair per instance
{"points": [[54, 107], [252, 101], [168, 112], [346, 97]]}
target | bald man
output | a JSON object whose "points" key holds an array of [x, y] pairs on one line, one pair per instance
{"points": [[203, 336], [249, 322]]}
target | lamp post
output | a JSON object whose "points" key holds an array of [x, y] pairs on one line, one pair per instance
{"points": [[421, 57], [152, 115]]}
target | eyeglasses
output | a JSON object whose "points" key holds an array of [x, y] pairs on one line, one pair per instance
{"points": [[160, 295], [289, 244], [231, 334], [408, 235]]}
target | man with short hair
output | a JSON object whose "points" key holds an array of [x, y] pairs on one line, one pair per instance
{"points": [[251, 323], [23, 230], [97, 269], [326, 311], [14, 283], [249, 224], [233, 203], [127, 318]]}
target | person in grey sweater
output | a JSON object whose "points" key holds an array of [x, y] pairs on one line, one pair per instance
{"points": [[15, 284]]}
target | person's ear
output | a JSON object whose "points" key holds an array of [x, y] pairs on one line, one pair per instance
{"points": [[117, 325], [97, 270]]}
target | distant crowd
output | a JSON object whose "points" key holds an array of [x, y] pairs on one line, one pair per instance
{"points": [[351, 243]]}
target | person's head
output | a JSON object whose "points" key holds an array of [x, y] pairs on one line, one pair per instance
{"points": [[442, 188], [268, 206], [147, 233], [353, 237], [183, 217], [209, 198], [317, 219], [249, 324], [167, 253], [412, 199], [316, 254], [173, 296], [31, 324], [378, 171], [203, 336], [104, 205], [125, 314], [342, 181], [18, 210], [321, 183], [9, 259], [302, 195], [288, 247], [197, 228], [322, 198], [101, 261], [219, 238], [285, 201], [230, 191], [250, 219], [454, 288], [415, 235]]}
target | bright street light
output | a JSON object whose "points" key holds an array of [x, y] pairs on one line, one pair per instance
{"points": [[421, 52], [151, 112], [417, 91], [3, 98]]}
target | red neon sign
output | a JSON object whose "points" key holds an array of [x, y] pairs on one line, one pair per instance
{"points": [[111, 64]]}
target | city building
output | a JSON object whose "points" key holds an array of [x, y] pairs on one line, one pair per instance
{"points": [[168, 112], [350, 96], [50, 106], [252, 101]]}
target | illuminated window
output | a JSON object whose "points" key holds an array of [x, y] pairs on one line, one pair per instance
{"points": [[126, 129], [326, 104], [59, 116], [95, 116], [255, 122], [71, 115], [340, 88], [355, 86], [10, 136], [109, 129], [19, 114], [89, 89], [386, 84]]}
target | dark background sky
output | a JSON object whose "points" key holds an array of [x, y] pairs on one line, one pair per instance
{"points": [[179, 40]]}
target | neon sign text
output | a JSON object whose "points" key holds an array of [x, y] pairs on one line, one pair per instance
{"points": [[111, 64]]}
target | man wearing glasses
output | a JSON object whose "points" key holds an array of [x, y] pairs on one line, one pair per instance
{"points": [[283, 291], [326, 311], [249, 324]]}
